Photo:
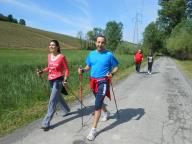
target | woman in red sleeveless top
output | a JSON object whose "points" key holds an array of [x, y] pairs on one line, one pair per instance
{"points": [[58, 73]]}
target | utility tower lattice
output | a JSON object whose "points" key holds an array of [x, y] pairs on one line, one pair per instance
{"points": [[136, 28]]}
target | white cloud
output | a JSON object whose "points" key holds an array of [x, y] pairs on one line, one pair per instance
{"points": [[83, 6], [77, 22]]}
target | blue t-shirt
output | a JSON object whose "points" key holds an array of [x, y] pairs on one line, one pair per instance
{"points": [[101, 63]]}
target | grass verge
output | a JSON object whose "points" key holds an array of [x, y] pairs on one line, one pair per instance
{"points": [[186, 66]]}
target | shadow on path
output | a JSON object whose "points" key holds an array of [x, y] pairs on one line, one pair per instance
{"points": [[125, 116], [86, 111], [146, 72]]}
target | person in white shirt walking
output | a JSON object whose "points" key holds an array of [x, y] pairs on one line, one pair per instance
{"points": [[150, 63]]}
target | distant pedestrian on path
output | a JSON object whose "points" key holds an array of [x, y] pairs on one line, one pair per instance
{"points": [[150, 63], [138, 58], [58, 73], [103, 66]]}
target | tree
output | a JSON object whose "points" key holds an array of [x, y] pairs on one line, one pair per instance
{"points": [[152, 39], [3, 18], [91, 40], [179, 44], [10, 18], [92, 35], [15, 20], [171, 13], [22, 22], [97, 32], [114, 34], [80, 37]]}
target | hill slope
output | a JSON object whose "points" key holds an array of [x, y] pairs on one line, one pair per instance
{"points": [[18, 36]]}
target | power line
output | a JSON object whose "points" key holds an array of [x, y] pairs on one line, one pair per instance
{"points": [[136, 28], [137, 20]]}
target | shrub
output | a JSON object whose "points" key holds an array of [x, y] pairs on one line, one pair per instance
{"points": [[179, 44]]}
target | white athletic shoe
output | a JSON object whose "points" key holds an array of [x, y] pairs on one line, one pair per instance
{"points": [[105, 116], [92, 134]]}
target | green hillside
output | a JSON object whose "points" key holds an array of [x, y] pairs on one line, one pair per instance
{"points": [[17, 36]]}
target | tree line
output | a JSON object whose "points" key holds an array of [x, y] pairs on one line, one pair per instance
{"points": [[10, 18], [112, 32], [171, 33], [114, 36]]}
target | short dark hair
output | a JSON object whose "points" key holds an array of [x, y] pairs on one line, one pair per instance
{"points": [[102, 37], [57, 44]]}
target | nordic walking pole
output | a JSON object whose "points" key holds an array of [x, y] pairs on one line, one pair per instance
{"points": [[81, 96], [118, 116], [70, 90]]}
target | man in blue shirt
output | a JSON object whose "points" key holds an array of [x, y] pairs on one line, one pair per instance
{"points": [[103, 65]]}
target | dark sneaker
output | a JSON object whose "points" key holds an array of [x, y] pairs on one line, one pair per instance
{"points": [[45, 128], [67, 113]]}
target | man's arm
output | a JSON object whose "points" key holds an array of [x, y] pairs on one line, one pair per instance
{"points": [[115, 69], [86, 69]]}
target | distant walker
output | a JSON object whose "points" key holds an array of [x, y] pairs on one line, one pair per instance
{"points": [[138, 58]]}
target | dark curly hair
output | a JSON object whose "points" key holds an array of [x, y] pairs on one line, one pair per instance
{"points": [[57, 44]]}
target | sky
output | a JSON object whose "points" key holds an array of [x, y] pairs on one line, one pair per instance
{"points": [[71, 16]]}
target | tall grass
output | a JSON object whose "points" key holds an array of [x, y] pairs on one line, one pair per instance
{"points": [[24, 96]]}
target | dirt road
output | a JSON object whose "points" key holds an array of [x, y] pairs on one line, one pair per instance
{"points": [[154, 109]]}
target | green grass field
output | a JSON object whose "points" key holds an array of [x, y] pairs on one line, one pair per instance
{"points": [[186, 66], [18, 36], [24, 96]]}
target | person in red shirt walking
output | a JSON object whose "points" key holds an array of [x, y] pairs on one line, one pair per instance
{"points": [[138, 60], [58, 73]]}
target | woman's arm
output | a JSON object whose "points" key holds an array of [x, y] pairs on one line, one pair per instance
{"points": [[66, 73]]}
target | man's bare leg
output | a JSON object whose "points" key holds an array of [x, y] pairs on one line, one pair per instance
{"points": [[96, 118]]}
